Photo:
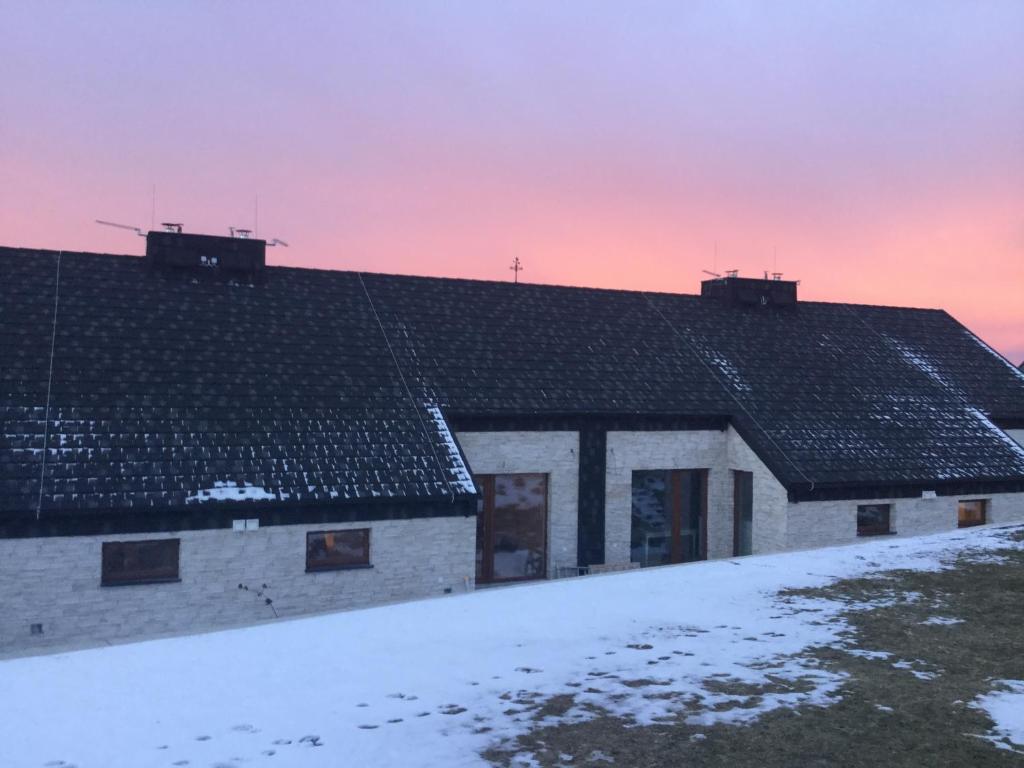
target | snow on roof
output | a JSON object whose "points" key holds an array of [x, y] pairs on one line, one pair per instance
{"points": [[924, 364], [234, 492], [457, 466], [1009, 441]]}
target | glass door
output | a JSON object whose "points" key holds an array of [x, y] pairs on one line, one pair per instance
{"points": [[669, 516], [511, 543]]}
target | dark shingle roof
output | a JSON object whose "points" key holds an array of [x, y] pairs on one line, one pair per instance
{"points": [[826, 393], [165, 387], [168, 385]]}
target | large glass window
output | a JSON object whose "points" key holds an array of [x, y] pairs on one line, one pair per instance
{"points": [[334, 550], [139, 562], [971, 512], [669, 516], [743, 512], [511, 541], [873, 519]]}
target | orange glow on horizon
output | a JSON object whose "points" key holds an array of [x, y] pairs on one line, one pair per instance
{"points": [[872, 156]]}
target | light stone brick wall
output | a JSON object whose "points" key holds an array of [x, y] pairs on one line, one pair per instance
{"points": [[717, 451], [55, 581], [771, 502], [555, 454], [814, 524]]}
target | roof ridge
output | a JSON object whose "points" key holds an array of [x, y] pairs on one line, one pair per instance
{"points": [[485, 281]]}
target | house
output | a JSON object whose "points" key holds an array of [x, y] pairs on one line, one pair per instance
{"points": [[193, 439]]}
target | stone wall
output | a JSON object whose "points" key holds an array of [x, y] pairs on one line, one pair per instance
{"points": [[555, 454], [56, 581], [717, 451], [828, 523], [629, 451], [771, 503]]}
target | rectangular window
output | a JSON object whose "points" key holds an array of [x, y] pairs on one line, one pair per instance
{"points": [[335, 550], [512, 525], [971, 512], [669, 516], [742, 512], [140, 562], [873, 519]]}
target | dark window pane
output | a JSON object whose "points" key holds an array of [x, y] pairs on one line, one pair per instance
{"points": [[138, 562], [511, 527], [971, 512], [519, 526], [330, 550], [743, 512], [651, 535], [872, 519], [691, 501], [481, 529]]}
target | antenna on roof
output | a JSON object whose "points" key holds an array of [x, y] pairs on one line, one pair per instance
{"points": [[516, 267], [136, 230], [732, 273], [241, 234], [172, 226]]}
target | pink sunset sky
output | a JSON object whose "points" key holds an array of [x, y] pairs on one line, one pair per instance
{"points": [[873, 150]]}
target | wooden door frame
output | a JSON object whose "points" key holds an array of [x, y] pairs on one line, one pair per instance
{"points": [[675, 500], [486, 483], [703, 475]]}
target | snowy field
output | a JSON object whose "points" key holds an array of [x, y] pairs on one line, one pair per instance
{"points": [[435, 682]]}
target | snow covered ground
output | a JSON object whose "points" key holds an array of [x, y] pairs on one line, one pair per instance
{"points": [[1005, 706], [432, 683]]}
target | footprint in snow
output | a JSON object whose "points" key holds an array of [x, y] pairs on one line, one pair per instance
{"points": [[282, 742], [269, 752], [395, 720], [180, 762], [640, 646], [528, 670], [244, 728], [422, 714], [452, 709], [311, 741], [368, 727], [362, 704], [202, 738]]}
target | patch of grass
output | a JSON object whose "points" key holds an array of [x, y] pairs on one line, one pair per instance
{"points": [[885, 715]]}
